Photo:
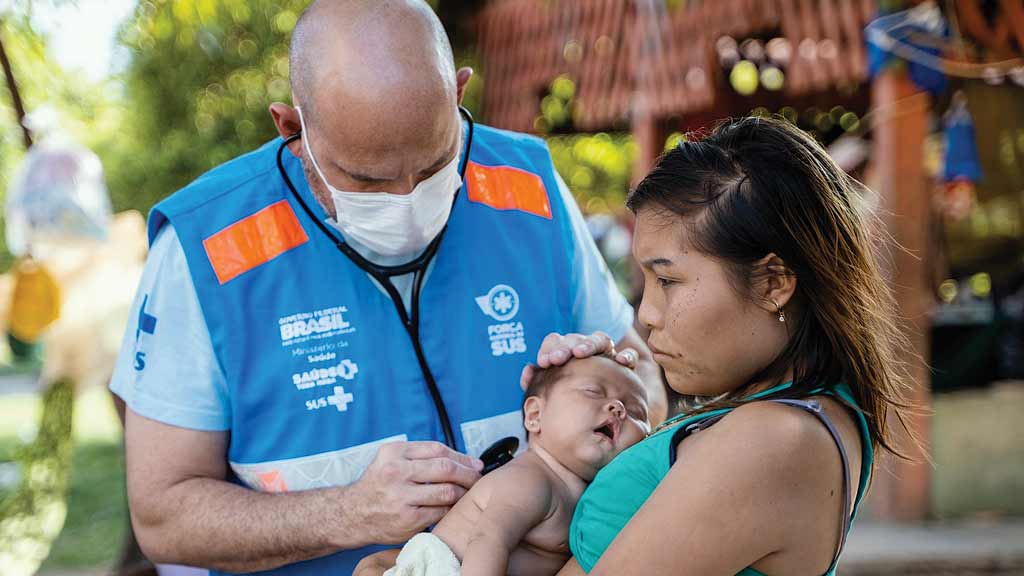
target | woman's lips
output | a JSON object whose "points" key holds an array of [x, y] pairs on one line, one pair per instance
{"points": [[657, 351]]}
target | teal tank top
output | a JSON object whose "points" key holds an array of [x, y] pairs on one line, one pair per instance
{"points": [[621, 488]]}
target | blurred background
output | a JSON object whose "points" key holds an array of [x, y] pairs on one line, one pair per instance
{"points": [[107, 106]]}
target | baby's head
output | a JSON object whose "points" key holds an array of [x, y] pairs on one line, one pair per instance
{"points": [[585, 412]]}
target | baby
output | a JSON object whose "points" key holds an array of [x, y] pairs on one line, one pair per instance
{"points": [[515, 520]]}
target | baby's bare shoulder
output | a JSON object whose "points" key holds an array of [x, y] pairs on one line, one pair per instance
{"points": [[521, 483]]}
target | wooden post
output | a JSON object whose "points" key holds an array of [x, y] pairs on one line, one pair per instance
{"points": [[649, 138], [902, 490], [648, 132]]}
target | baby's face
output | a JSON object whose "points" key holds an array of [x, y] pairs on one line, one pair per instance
{"points": [[595, 410]]}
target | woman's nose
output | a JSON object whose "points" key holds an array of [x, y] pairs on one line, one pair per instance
{"points": [[648, 313]]}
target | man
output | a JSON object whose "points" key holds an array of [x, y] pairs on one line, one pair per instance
{"points": [[288, 397]]}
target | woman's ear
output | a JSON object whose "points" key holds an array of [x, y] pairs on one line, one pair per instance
{"points": [[774, 283], [533, 408]]}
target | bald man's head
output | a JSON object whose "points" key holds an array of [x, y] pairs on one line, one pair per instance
{"points": [[378, 93], [366, 48]]}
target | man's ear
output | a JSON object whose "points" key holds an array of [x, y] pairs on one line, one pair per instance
{"points": [[775, 282], [533, 408], [461, 80], [286, 119]]}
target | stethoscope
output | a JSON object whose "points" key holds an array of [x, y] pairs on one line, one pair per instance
{"points": [[384, 274]]}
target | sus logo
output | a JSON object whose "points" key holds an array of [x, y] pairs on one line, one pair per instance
{"points": [[500, 303]]}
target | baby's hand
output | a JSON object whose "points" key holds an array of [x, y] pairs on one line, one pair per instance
{"points": [[376, 564]]}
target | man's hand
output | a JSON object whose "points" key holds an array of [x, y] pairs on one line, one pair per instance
{"points": [[186, 512], [409, 486]]}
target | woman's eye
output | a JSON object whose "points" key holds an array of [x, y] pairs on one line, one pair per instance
{"points": [[664, 282]]}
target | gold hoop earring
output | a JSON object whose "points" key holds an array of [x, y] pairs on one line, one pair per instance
{"points": [[782, 315]]}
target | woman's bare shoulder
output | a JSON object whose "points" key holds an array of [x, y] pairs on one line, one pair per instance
{"points": [[771, 442]]}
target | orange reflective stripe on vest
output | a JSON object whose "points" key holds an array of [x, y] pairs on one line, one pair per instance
{"points": [[254, 240], [507, 188]]}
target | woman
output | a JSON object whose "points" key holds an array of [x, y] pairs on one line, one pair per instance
{"points": [[766, 304], [767, 308]]}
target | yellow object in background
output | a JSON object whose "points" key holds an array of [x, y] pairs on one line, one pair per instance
{"points": [[35, 303]]}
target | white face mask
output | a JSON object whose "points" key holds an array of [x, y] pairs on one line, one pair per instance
{"points": [[393, 224]]}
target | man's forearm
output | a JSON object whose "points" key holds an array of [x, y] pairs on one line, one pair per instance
{"points": [[215, 524]]}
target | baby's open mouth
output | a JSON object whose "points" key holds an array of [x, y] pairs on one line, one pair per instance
{"points": [[608, 430]]}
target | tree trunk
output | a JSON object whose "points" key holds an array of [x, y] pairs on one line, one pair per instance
{"points": [[12, 86]]}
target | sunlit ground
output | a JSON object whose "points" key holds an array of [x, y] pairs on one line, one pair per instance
{"points": [[93, 528]]}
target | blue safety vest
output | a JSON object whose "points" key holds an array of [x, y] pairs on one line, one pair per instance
{"points": [[320, 370]]}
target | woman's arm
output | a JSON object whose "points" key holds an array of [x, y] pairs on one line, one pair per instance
{"points": [[740, 491]]}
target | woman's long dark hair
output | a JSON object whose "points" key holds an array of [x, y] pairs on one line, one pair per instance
{"points": [[756, 186]]}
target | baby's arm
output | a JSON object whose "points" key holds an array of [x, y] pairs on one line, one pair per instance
{"points": [[376, 564], [520, 498]]}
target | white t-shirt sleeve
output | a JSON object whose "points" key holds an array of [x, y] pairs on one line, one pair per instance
{"points": [[166, 369], [597, 302]]}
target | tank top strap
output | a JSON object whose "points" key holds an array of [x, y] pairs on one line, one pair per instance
{"points": [[814, 408]]}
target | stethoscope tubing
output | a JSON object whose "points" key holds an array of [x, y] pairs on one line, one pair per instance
{"points": [[383, 274]]}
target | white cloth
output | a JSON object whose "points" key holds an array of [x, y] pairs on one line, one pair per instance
{"points": [[425, 555]]}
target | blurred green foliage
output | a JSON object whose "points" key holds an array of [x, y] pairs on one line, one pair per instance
{"points": [[97, 511], [194, 94], [31, 428], [200, 78], [32, 515], [596, 167]]}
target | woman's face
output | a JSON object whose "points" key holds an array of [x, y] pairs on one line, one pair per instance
{"points": [[708, 339]]}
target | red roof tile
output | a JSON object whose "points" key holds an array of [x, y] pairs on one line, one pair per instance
{"points": [[625, 53]]}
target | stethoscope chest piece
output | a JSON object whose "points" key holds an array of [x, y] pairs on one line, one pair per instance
{"points": [[499, 454]]}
